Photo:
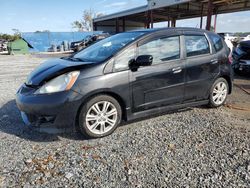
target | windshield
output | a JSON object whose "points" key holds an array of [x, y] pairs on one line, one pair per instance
{"points": [[104, 49]]}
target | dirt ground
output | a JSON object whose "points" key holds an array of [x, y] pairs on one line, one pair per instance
{"points": [[239, 102]]}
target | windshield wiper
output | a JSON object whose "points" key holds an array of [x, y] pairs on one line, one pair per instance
{"points": [[73, 59]]}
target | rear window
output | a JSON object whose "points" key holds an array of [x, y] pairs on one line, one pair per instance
{"points": [[217, 42], [196, 45]]}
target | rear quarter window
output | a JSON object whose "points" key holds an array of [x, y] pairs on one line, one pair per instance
{"points": [[196, 45], [217, 42]]}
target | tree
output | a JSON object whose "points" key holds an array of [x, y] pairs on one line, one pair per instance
{"points": [[77, 25], [15, 36], [9, 37], [212, 28], [16, 31], [86, 23]]}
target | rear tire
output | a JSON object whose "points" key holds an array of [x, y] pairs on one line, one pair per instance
{"points": [[218, 93], [100, 116]]}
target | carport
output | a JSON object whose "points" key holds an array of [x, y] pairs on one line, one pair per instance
{"points": [[168, 11]]}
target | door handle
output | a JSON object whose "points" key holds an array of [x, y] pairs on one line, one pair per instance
{"points": [[177, 70], [214, 61]]}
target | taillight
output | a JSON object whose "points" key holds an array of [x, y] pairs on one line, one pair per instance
{"points": [[230, 58]]}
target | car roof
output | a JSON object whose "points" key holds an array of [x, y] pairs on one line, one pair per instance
{"points": [[170, 29]]}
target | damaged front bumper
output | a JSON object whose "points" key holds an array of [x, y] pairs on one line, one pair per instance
{"points": [[50, 113]]}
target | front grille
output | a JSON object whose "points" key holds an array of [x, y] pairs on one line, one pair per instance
{"points": [[32, 118], [38, 120]]}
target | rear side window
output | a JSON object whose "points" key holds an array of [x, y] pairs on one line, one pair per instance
{"points": [[217, 42], [162, 49], [196, 45]]}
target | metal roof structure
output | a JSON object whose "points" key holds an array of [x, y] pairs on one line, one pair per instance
{"points": [[132, 11], [170, 11]]}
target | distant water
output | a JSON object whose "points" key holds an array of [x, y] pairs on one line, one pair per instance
{"points": [[42, 41]]}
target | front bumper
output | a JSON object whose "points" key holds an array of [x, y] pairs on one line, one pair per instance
{"points": [[50, 113]]}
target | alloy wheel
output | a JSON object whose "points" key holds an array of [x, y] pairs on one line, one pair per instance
{"points": [[101, 117], [219, 93]]}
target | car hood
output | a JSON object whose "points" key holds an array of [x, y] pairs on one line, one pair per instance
{"points": [[52, 68]]}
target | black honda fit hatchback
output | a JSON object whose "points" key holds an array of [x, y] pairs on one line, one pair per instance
{"points": [[126, 76]]}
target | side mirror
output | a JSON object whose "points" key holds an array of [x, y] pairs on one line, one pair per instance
{"points": [[144, 60], [140, 61]]}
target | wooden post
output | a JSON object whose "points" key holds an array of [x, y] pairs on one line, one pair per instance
{"points": [[123, 25], [209, 14], [201, 21], [117, 25], [215, 22], [173, 22], [95, 27], [151, 19], [148, 19]]}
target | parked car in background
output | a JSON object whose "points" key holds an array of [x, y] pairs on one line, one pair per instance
{"points": [[87, 41], [127, 76], [241, 58], [3, 45], [247, 38], [78, 45], [229, 38]]}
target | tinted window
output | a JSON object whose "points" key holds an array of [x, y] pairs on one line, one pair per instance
{"points": [[121, 61], [217, 42], [162, 49], [104, 49], [196, 45]]}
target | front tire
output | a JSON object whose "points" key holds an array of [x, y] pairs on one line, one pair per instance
{"points": [[100, 116], [218, 93]]}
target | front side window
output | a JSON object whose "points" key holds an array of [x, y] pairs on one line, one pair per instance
{"points": [[196, 45], [122, 60], [162, 49]]}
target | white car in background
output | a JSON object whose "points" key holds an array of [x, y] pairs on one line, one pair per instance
{"points": [[246, 38], [229, 38]]}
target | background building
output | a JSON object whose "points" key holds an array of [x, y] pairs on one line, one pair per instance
{"points": [[168, 11]]}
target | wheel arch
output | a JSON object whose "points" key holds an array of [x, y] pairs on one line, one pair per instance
{"points": [[117, 97], [229, 82]]}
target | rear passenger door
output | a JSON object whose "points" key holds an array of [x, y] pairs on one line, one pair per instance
{"points": [[202, 66], [162, 83]]}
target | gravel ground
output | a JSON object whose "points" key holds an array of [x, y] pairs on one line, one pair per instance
{"points": [[196, 147]]}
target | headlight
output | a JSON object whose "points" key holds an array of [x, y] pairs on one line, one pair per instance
{"points": [[60, 83]]}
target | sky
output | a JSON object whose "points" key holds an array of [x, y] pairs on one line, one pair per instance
{"points": [[57, 15]]}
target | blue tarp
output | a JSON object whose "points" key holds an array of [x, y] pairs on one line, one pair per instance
{"points": [[42, 41]]}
